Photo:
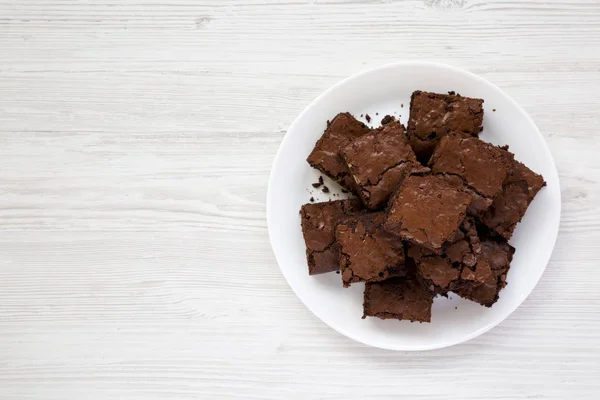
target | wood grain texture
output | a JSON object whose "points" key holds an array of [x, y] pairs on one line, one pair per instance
{"points": [[136, 140]]}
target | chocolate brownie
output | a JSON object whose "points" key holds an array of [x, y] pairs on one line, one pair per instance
{"points": [[519, 188], [471, 267], [318, 226], [325, 156], [427, 210], [378, 161], [397, 298], [480, 165], [441, 273], [367, 252], [496, 256], [433, 115]]}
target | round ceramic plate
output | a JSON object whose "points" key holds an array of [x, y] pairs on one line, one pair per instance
{"points": [[386, 90]]}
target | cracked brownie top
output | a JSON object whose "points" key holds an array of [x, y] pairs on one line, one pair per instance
{"points": [[427, 210], [433, 115], [378, 161], [367, 252], [509, 206], [318, 227], [481, 165], [343, 129]]}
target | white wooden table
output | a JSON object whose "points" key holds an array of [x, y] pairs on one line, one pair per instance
{"points": [[136, 140]]}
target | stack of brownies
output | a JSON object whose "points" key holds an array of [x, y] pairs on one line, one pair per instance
{"points": [[435, 207]]}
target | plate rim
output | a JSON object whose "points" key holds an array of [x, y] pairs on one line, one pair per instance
{"points": [[411, 63]]}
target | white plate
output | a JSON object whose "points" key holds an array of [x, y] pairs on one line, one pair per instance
{"points": [[382, 90]]}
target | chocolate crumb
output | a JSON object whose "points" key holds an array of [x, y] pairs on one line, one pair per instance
{"points": [[456, 308], [402, 105], [368, 117], [325, 189], [387, 119], [337, 272], [344, 191], [376, 113], [452, 93], [312, 199], [494, 110], [361, 115], [319, 183]]}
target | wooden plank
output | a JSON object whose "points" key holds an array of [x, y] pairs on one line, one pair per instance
{"points": [[136, 141]]}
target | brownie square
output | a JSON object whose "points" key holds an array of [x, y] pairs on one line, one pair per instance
{"points": [[441, 273], [481, 166], [427, 210], [325, 157], [433, 115], [378, 161], [367, 252], [318, 227], [496, 256], [397, 298], [519, 188], [473, 267]]}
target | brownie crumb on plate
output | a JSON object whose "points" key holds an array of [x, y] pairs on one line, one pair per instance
{"points": [[387, 119], [319, 183]]}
